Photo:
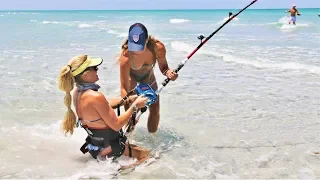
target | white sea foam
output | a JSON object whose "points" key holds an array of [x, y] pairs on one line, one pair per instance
{"points": [[181, 46], [178, 21], [287, 27], [85, 25], [50, 22], [292, 26], [118, 34]]}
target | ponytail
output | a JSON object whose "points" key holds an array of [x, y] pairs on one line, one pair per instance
{"points": [[66, 84]]}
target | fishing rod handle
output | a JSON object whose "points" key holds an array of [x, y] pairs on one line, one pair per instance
{"points": [[180, 65], [126, 129], [125, 98]]}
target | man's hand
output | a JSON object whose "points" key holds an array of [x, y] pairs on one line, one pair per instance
{"points": [[171, 75]]}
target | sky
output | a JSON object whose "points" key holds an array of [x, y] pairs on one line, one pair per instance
{"points": [[150, 4]]}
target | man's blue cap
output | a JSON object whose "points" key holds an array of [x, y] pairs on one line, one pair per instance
{"points": [[138, 35]]}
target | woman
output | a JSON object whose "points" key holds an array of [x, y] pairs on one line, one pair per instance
{"points": [[140, 52], [94, 112]]}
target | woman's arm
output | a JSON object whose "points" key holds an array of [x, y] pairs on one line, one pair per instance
{"points": [[114, 101], [124, 74], [161, 57], [162, 61], [108, 115]]}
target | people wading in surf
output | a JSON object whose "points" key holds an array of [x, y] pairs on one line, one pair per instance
{"points": [[293, 12]]}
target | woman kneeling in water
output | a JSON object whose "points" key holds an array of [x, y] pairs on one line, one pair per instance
{"points": [[95, 113]]}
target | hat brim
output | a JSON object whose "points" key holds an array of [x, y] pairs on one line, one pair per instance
{"points": [[94, 62], [90, 62], [135, 47]]}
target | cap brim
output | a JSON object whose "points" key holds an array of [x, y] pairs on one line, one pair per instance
{"points": [[135, 47], [90, 62], [95, 61]]}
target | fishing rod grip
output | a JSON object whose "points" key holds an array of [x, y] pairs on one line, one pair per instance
{"points": [[124, 98], [181, 64], [144, 109]]}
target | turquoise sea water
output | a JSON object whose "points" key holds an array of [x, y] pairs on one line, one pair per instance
{"points": [[246, 105]]}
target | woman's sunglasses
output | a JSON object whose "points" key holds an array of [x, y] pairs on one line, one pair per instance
{"points": [[95, 68]]}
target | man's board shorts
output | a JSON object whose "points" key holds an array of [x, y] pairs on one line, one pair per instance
{"points": [[292, 19]]}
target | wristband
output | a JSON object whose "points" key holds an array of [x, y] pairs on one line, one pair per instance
{"points": [[134, 107]]}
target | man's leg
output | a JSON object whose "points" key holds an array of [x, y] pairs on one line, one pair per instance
{"points": [[294, 20]]}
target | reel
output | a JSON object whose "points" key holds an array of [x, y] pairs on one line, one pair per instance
{"points": [[147, 91], [201, 37]]}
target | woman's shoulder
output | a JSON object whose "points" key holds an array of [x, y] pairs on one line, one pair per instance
{"points": [[125, 53], [124, 58], [157, 42], [160, 48], [95, 96]]}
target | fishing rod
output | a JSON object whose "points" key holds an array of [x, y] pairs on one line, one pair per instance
{"points": [[183, 62]]}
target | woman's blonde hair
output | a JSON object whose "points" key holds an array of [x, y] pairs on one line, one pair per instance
{"points": [[151, 45], [66, 83]]}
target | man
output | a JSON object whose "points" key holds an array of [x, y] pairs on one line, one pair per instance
{"points": [[140, 53], [293, 12]]}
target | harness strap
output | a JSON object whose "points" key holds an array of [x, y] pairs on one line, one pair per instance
{"points": [[84, 149], [130, 149], [132, 121], [118, 109]]}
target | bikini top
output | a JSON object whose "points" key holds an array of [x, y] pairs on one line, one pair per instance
{"points": [[144, 65], [81, 90]]}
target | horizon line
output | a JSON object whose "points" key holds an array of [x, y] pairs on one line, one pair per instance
{"points": [[143, 9]]}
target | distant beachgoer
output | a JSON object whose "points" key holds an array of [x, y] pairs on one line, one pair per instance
{"points": [[293, 12]]}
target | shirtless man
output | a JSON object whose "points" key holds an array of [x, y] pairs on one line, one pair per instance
{"points": [[293, 12]]}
